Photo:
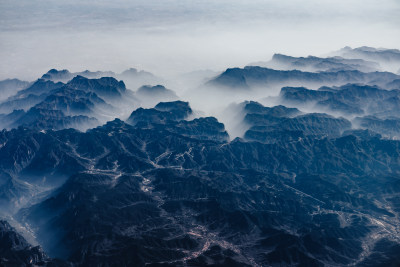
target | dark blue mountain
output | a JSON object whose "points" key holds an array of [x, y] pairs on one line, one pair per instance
{"points": [[371, 53], [170, 116], [8, 119], [350, 99], [58, 75], [253, 107], [315, 64], [132, 77], [40, 118], [312, 181], [34, 94], [65, 75], [161, 113], [76, 104], [72, 101], [259, 78], [38, 88], [106, 87], [282, 124], [388, 127], [195, 201], [14, 249]]}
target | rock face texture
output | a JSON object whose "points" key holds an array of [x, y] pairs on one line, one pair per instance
{"points": [[312, 181], [193, 197], [15, 251]]}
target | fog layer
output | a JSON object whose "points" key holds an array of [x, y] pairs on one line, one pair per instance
{"points": [[169, 37]]}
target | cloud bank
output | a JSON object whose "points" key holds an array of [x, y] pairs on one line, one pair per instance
{"points": [[169, 37]]}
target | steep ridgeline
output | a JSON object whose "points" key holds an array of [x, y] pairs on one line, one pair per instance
{"points": [[376, 109], [132, 77], [81, 103], [388, 58], [33, 163], [350, 99], [164, 190], [387, 127], [315, 64], [262, 78], [163, 113], [171, 116], [25, 99], [282, 124], [16, 251]]}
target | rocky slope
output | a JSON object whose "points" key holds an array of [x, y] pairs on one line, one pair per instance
{"points": [[312, 181], [15, 251]]}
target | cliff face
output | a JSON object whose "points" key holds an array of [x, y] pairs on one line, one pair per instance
{"points": [[15, 251]]}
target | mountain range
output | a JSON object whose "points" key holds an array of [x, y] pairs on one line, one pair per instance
{"points": [[97, 173]]}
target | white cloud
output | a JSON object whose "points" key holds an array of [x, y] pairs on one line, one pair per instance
{"points": [[181, 35]]}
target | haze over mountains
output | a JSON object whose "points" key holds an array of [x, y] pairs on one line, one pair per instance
{"points": [[174, 36], [294, 161]]}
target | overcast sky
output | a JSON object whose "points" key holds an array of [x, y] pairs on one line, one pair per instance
{"points": [[171, 36]]}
